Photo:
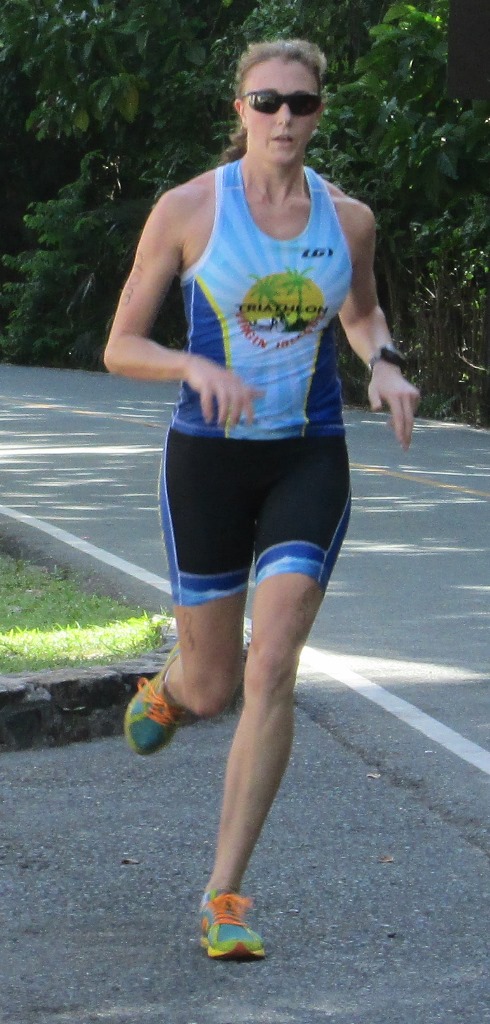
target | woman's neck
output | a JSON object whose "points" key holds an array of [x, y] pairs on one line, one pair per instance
{"points": [[273, 183]]}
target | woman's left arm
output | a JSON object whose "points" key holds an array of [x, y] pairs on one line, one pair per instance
{"points": [[365, 325]]}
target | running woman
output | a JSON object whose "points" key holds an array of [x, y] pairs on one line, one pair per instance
{"points": [[255, 467]]}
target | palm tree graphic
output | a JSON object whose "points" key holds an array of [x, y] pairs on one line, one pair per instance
{"points": [[265, 291], [277, 301], [294, 284]]}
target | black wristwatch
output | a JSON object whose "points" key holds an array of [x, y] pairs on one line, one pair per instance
{"points": [[388, 355]]}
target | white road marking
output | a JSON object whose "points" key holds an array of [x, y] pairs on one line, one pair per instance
{"points": [[157, 582], [337, 668], [330, 665], [14, 450]]}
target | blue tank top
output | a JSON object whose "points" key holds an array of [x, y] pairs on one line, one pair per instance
{"points": [[263, 308]]}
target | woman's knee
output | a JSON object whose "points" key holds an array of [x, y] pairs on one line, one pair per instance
{"points": [[208, 693], [271, 670], [211, 649]]}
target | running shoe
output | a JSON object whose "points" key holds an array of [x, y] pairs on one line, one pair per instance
{"points": [[224, 932], [151, 720]]}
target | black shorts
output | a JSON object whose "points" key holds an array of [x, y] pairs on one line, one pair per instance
{"points": [[225, 502]]}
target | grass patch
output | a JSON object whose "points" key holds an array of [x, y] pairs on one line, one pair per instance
{"points": [[48, 621]]}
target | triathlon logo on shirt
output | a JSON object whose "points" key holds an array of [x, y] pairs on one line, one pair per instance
{"points": [[288, 303]]}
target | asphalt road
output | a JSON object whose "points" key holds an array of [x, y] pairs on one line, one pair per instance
{"points": [[371, 878]]}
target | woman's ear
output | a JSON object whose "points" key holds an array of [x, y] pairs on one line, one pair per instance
{"points": [[240, 109]]}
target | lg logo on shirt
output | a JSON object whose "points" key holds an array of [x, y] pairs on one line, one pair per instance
{"points": [[315, 253]]}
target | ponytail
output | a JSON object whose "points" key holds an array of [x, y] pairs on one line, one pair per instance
{"points": [[237, 147]]}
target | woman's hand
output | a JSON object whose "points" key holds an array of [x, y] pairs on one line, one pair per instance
{"points": [[389, 387], [223, 394]]}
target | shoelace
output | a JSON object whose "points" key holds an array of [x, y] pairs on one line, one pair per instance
{"points": [[229, 908], [159, 709]]}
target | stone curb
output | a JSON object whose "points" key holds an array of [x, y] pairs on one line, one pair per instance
{"points": [[54, 708]]}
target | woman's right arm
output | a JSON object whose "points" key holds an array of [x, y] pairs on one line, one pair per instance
{"points": [[130, 350]]}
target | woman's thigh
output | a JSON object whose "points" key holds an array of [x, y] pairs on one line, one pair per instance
{"points": [[222, 501], [208, 518], [211, 652], [305, 514]]}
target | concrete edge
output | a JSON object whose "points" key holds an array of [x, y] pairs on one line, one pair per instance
{"points": [[76, 705], [54, 708]]}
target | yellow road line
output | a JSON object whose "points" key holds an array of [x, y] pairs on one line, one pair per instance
{"points": [[127, 417], [417, 479], [379, 470]]}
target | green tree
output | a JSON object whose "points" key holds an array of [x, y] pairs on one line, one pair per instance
{"points": [[123, 100], [127, 86], [393, 137]]}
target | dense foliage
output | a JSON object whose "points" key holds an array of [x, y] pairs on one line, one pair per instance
{"points": [[422, 162], [109, 103]]}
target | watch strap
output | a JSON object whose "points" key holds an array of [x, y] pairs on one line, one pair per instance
{"points": [[388, 355]]}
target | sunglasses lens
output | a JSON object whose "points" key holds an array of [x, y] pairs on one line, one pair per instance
{"points": [[302, 105], [269, 102], [265, 102]]}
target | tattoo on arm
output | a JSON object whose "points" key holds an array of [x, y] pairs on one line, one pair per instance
{"points": [[133, 279]]}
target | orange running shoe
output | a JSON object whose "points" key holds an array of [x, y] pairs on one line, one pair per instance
{"points": [[224, 932], [151, 720]]}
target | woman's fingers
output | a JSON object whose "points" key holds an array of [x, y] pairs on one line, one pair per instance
{"points": [[224, 396], [235, 400], [389, 387]]}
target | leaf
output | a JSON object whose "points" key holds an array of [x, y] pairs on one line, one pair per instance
{"points": [[142, 42], [398, 11], [446, 165], [81, 120], [104, 96], [382, 31], [196, 54], [128, 103]]}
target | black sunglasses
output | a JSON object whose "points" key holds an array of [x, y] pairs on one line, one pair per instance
{"points": [[268, 101]]}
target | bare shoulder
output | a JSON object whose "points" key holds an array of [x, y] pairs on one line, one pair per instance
{"points": [[182, 202], [190, 195], [183, 217], [356, 218]]}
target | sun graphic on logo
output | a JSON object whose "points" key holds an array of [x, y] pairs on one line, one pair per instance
{"points": [[286, 302]]}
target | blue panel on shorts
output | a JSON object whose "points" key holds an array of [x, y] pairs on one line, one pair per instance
{"points": [[292, 556], [303, 557], [190, 588]]}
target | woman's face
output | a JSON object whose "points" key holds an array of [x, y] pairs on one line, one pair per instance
{"points": [[280, 137]]}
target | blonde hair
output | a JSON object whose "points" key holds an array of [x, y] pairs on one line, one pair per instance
{"points": [[287, 50]]}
